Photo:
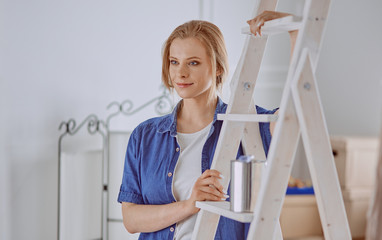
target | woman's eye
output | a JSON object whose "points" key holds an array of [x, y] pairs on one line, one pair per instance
{"points": [[194, 63], [173, 62]]}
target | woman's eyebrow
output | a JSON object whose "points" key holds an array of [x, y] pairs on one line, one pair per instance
{"points": [[194, 57]]}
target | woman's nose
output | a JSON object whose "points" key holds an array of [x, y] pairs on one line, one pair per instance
{"points": [[183, 71]]}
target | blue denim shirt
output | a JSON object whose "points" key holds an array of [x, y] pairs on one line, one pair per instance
{"points": [[152, 153]]}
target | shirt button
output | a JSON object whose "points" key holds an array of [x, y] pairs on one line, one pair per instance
{"points": [[172, 229], [177, 149], [169, 174]]}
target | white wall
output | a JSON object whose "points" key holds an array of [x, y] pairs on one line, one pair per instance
{"points": [[4, 176], [70, 58], [64, 59], [349, 72], [350, 68]]}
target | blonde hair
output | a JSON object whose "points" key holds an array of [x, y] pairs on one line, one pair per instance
{"points": [[212, 38]]}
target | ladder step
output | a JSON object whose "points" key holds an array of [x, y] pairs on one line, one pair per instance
{"points": [[248, 117], [223, 208], [276, 26]]}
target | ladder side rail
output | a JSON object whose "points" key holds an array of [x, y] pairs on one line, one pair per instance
{"points": [[232, 132], [315, 29], [278, 235], [310, 36], [318, 150], [252, 142], [263, 5], [285, 96], [311, 33], [279, 166], [260, 6], [246, 75], [240, 102], [202, 231], [289, 155], [300, 41], [297, 50], [266, 218], [256, 227], [252, 145]]}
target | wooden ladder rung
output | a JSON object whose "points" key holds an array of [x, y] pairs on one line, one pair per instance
{"points": [[248, 117], [276, 26], [223, 208]]}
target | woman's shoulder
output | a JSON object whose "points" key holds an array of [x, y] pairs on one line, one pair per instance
{"points": [[151, 124], [261, 110]]}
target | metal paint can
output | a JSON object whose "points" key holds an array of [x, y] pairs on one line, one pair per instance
{"points": [[242, 178]]}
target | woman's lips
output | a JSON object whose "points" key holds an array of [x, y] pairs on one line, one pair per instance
{"points": [[184, 85]]}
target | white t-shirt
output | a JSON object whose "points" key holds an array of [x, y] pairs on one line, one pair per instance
{"points": [[187, 170]]}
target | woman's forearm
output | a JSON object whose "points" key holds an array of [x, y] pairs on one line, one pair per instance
{"points": [[151, 218]]}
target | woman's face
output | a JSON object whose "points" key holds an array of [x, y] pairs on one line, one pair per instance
{"points": [[190, 68]]}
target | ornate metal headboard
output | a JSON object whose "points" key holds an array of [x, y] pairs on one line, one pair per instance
{"points": [[95, 125]]}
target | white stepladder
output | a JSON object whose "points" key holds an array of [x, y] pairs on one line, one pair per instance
{"points": [[300, 114]]}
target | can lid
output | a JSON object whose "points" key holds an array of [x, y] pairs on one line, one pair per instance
{"points": [[246, 158]]}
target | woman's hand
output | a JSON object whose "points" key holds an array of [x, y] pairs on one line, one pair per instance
{"points": [[256, 23], [207, 188]]}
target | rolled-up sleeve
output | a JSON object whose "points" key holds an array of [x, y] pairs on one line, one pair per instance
{"points": [[130, 190]]}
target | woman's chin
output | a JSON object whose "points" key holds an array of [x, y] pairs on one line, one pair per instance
{"points": [[185, 94]]}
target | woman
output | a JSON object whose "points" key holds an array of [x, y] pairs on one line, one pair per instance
{"points": [[163, 174]]}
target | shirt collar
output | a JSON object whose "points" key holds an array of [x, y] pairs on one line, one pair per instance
{"points": [[168, 123]]}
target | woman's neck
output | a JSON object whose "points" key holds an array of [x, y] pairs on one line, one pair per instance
{"points": [[195, 114]]}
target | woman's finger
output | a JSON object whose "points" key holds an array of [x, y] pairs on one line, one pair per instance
{"points": [[254, 25], [213, 191], [251, 24], [212, 181], [205, 196], [260, 24], [211, 173]]}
